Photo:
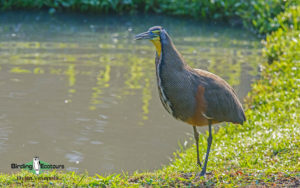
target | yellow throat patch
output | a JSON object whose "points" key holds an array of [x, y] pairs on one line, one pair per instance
{"points": [[157, 44]]}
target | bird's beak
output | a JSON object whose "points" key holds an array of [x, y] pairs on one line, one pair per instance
{"points": [[145, 35]]}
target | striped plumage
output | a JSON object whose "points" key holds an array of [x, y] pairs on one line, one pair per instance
{"points": [[192, 95]]}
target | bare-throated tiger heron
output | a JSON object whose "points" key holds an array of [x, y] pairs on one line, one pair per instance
{"points": [[194, 96]]}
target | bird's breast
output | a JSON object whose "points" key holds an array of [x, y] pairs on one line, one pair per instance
{"points": [[176, 92], [161, 89]]}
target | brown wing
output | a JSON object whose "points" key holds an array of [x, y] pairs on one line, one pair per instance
{"points": [[222, 103]]}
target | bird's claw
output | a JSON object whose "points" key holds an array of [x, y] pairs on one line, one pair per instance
{"points": [[199, 164], [202, 173]]}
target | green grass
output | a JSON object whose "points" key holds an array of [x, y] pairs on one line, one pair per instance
{"points": [[263, 151]]}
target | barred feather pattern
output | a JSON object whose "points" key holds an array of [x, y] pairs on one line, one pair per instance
{"points": [[166, 103]]}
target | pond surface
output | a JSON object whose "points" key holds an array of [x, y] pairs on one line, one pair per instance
{"points": [[78, 90]]}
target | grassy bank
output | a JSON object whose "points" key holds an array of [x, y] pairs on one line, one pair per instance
{"points": [[264, 151]]}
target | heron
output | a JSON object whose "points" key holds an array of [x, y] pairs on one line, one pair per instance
{"points": [[194, 96]]}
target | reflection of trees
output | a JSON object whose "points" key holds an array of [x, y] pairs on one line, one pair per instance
{"points": [[146, 98], [19, 70], [135, 62], [136, 73], [137, 79], [103, 79], [70, 73], [38, 70]]}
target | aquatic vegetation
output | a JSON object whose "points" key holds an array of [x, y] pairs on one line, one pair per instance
{"points": [[257, 14]]}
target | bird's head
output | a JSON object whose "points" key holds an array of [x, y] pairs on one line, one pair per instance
{"points": [[155, 35]]}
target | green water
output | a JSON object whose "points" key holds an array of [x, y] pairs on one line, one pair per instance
{"points": [[78, 90]]}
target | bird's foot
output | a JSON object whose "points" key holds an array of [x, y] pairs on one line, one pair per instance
{"points": [[202, 173], [199, 164]]}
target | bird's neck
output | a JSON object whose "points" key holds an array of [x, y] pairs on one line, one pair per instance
{"points": [[157, 45], [167, 54], [171, 57]]}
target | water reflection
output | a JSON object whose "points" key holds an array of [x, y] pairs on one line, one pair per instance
{"points": [[77, 90]]}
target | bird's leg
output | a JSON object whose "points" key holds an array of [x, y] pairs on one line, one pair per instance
{"points": [[196, 135], [209, 141]]}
